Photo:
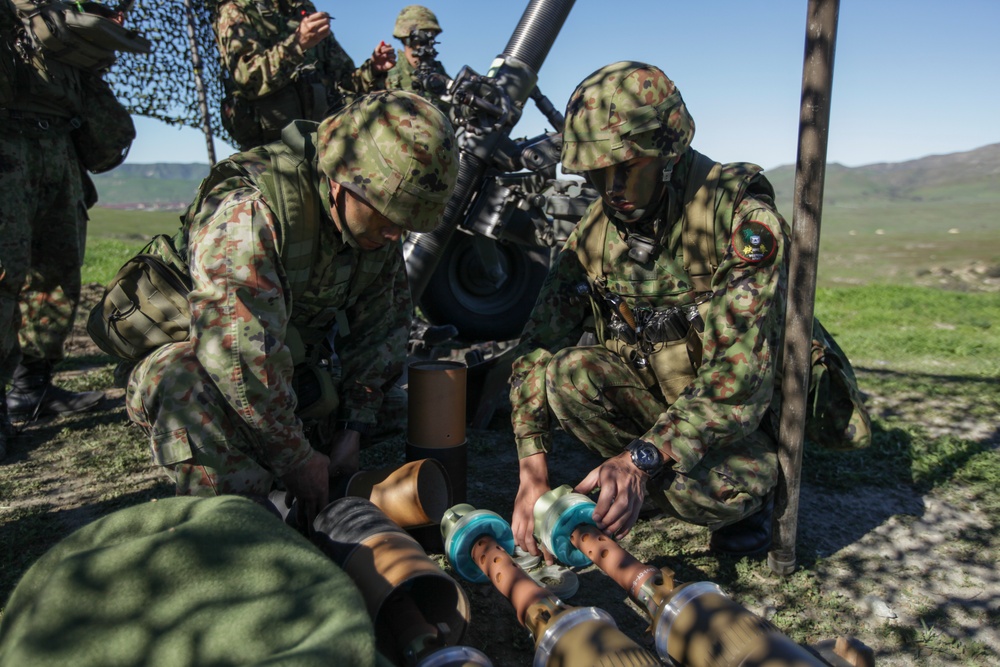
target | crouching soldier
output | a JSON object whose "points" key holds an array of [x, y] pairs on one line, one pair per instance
{"points": [[681, 269], [292, 247]]}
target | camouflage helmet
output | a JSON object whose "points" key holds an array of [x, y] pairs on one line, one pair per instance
{"points": [[624, 111], [415, 17], [397, 151]]}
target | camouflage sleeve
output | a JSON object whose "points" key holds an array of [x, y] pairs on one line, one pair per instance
{"points": [[556, 322], [742, 338], [239, 315], [340, 70], [373, 354], [259, 65]]}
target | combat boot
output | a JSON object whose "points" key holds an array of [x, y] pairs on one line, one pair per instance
{"points": [[6, 428], [32, 393], [750, 536]]}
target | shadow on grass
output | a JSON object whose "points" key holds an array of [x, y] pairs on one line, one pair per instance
{"points": [[28, 532]]}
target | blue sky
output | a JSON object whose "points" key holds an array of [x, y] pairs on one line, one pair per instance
{"points": [[911, 78]]}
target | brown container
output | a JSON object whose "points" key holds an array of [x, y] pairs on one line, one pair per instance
{"points": [[436, 420], [385, 562], [436, 404], [413, 494]]}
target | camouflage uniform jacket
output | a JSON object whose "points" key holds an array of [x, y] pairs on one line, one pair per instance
{"points": [[744, 318], [400, 77], [259, 50], [242, 309]]}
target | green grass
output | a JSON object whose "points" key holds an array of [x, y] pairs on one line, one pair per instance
{"points": [[114, 236], [915, 328]]}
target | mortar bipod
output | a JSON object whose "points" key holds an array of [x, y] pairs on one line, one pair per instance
{"points": [[694, 624], [479, 544]]}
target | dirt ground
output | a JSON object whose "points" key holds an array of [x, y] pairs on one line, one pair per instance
{"points": [[886, 555]]}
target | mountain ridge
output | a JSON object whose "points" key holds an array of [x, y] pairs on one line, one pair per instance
{"points": [[973, 174]]}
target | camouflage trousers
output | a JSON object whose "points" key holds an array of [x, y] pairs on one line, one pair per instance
{"points": [[204, 446], [602, 402], [43, 229]]}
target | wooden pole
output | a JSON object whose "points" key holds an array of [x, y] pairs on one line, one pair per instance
{"points": [[199, 83], [810, 171]]}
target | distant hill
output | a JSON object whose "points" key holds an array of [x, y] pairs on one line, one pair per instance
{"points": [[968, 176], [162, 185], [972, 176]]}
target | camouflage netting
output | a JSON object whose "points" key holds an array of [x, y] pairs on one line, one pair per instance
{"points": [[162, 84]]}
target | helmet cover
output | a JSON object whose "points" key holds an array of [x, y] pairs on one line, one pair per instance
{"points": [[415, 17], [624, 111], [395, 150]]}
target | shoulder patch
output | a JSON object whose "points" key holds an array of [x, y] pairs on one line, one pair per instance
{"points": [[753, 242]]}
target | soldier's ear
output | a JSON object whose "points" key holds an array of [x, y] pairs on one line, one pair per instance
{"points": [[333, 202]]}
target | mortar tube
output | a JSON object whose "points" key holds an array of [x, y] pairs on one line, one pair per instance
{"points": [[384, 561], [436, 419], [564, 635]]}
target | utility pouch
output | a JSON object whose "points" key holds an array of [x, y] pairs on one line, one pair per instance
{"points": [[105, 135], [278, 109], [238, 117], [145, 305], [671, 364], [836, 416]]}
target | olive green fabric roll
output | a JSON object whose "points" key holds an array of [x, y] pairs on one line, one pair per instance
{"points": [[186, 581]]}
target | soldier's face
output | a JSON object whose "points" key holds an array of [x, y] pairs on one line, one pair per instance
{"points": [[370, 229], [630, 188]]}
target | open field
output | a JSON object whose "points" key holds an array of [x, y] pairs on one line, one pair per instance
{"points": [[897, 544]]}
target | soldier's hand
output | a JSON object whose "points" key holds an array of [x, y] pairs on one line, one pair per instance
{"points": [[383, 57], [309, 484], [622, 492], [534, 482], [345, 453], [313, 29]]}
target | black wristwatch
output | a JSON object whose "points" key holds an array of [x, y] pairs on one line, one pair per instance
{"points": [[646, 457], [364, 429]]}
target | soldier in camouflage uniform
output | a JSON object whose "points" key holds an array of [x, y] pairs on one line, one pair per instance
{"points": [[224, 408], [417, 27], [44, 191], [284, 63], [679, 396]]}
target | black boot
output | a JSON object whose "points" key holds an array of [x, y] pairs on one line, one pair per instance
{"points": [[6, 428], [750, 536], [32, 393]]}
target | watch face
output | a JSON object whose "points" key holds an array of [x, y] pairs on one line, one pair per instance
{"points": [[646, 457]]}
